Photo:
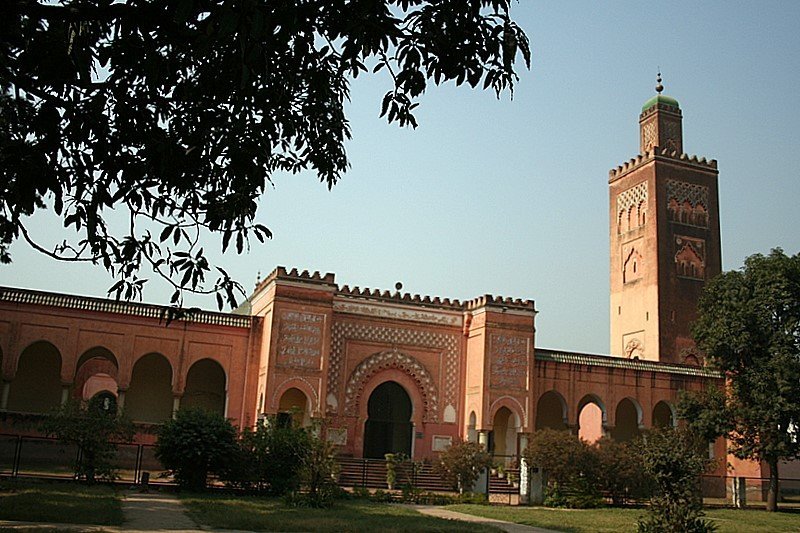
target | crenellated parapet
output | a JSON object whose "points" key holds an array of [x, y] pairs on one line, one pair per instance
{"points": [[488, 300], [660, 153], [281, 273], [397, 297]]}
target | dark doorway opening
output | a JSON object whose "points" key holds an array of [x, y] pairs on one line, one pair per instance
{"points": [[388, 428]]}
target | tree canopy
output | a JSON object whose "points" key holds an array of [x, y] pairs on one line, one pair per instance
{"points": [[749, 328], [177, 113]]}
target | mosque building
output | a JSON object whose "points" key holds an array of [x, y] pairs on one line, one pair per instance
{"points": [[394, 372]]}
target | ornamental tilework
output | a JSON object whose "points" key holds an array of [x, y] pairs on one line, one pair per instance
{"points": [[682, 192], [393, 359], [632, 197], [344, 331]]}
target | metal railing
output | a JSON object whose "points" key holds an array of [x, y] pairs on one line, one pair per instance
{"points": [[46, 457]]}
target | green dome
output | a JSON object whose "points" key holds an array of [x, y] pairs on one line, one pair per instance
{"points": [[660, 99]]}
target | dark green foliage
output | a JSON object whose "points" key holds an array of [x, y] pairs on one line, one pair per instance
{"points": [[618, 472], [179, 113], [95, 431], [318, 474], [674, 459], [570, 465], [462, 463], [749, 328], [195, 444], [270, 458]]}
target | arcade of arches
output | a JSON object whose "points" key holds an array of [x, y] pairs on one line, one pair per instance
{"points": [[388, 374]]}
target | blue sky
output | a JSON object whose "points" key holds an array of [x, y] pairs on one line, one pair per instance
{"points": [[511, 197]]}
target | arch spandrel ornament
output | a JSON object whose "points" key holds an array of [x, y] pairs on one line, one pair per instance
{"points": [[392, 359]]}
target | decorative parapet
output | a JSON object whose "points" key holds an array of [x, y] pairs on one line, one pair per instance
{"points": [[280, 273], [487, 300], [101, 305], [610, 361], [397, 297], [664, 153]]}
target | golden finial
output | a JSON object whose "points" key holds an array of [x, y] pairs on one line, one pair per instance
{"points": [[659, 87]]}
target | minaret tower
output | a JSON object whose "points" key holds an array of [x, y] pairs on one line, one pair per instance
{"points": [[664, 237]]}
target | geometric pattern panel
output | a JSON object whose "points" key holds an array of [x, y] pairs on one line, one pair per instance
{"points": [[447, 344], [392, 359], [683, 192], [632, 197]]}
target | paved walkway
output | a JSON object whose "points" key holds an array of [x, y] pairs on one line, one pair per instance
{"points": [[155, 512], [164, 512], [511, 527]]}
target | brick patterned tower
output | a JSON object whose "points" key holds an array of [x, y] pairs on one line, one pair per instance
{"points": [[664, 239]]}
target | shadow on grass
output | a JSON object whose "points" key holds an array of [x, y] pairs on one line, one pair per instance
{"points": [[70, 503], [270, 514]]}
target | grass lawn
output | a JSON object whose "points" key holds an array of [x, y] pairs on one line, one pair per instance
{"points": [[624, 520], [30, 501], [270, 514]]}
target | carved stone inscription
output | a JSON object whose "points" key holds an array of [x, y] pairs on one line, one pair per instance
{"points": [[509, 368], [300, 340]]}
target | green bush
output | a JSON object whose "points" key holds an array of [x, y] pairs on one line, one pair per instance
{"points": [[269, 458], [674, 459], [571, 466], [195, 444], [619, 471], [462, 463], [318, 473]]}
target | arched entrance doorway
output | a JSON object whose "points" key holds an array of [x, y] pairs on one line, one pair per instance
{"points": [[388, 428], [503, 439], [293, 409]]}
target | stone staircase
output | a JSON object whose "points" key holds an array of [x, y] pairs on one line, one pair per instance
{"points": [[371, 473]]}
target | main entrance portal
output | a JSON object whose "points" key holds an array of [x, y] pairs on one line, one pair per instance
{"points": [[388, 426]]}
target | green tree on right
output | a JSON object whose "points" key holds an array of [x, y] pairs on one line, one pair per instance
{"points": [[749, 328]]}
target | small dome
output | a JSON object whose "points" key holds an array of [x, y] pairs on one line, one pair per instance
{"points": [[660, 99]]}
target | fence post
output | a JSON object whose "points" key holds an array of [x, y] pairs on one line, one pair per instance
{"points": [[739, 492], [17, 454], [137, 467], [363, 472]]}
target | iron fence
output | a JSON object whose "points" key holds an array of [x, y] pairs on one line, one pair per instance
{"points": [[47, 457]]}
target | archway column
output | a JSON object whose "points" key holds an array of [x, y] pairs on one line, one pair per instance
{"points": [[121, 399], [65, 392], [4, 397], [176, 404], [483, 438]]}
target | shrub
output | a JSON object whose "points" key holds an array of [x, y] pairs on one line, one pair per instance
{"points": [[461, 464], [619, 471], [674, 459], [570, 465], [270, 458], [194, 444], [318, 472], [95, 431]]}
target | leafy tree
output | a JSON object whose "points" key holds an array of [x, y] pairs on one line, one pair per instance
{"points": [[674, 459], [462, 463], [194, 444], [95, 430], [178, 113], [749, 328]]}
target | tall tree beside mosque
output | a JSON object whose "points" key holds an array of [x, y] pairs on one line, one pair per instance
{"points": [[749, 327]]}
